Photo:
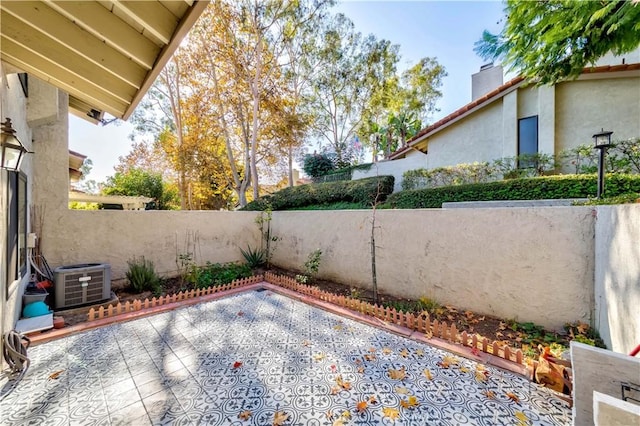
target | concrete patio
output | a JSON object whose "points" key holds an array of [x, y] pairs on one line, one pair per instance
{"points": [[256, 355]]}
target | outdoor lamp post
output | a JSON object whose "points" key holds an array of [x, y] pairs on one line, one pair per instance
{"points": [[602, 142], [11, 149]]}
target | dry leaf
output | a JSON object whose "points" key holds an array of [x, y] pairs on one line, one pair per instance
{"points": [[481, 376], [369, 357], [428, 334], [452, 360], [451, 318], [420, 352], [475, 351], [400, 374], [279, 418], [387, 351], [342, 383], [373, 400], [411, 402], [361, 406], [329, 414], [582, 327], [338, 422], [390, 412], [361, 370], [464, 370], [237, 364], [372, 350], [450, 309], [244, 415], [468, 314], [490, 394], [306, 343], [443, 364], [404, 353], [502, 326], [335, 390], [499, 334], [428, 374], [337, 327], [513, 397], [522, 417], [402, 390], [318, 357], [55, 375], [358, 361], [333, 368], [240, 314], [346, 414]]}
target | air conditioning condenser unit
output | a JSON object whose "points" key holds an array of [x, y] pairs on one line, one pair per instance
{"points": [[82, 284]]}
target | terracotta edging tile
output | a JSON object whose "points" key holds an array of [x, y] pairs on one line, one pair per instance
{"points": [[458, 349], [129, 316]]}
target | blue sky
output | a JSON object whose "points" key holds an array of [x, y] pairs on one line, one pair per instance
{"points": [[446, 30]]}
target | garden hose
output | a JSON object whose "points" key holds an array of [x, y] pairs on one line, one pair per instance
{"points": [[15, 354]]}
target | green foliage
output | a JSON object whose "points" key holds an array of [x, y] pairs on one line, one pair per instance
{"points": [[632, 197], [554, 40], [344, 173], [622, 157], [445, 176], [547, 187], [264, 225], [216, 274], [584, 333], [316, 165], [254, 257], [363, 191], [340, 205], [142, 275], [312, 264], [524, 165], [137, 182]]}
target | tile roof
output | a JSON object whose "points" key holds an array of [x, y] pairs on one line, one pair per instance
{"points": [[497, 93]]}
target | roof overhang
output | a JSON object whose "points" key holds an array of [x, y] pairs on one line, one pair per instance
{"points": [[105, 54]]}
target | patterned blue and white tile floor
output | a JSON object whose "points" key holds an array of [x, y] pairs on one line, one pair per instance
{"points": [[260, 353]]}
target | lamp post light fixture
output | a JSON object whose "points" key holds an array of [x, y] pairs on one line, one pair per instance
{"points": [[602, 142], [11, 149]]}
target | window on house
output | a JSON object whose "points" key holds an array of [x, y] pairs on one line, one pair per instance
{"points": [[527, 140], [16, 227]]}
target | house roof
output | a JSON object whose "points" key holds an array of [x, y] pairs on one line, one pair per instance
{"points": [[490, 97], [105, 54]]}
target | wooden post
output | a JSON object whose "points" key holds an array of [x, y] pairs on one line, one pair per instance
{"points": [[519, 356], [464, 338], [485, 343], [435, 328], [101, 312], [507, 353], [453, 333], [495, 349], [91, 314]]}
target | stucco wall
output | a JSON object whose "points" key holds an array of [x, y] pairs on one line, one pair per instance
{"points": [[414, 160], [531, 264], [617, 276], [584, 107], [476, 138]]}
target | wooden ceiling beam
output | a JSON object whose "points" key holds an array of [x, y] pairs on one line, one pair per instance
{"points": [[153, 17], [108, 27], [18, 16]]}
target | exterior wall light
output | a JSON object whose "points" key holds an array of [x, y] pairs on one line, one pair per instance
{"points": [[11, 149], [602, 142]]}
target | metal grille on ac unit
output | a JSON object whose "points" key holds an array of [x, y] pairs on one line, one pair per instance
{"points": [[81, 284]]}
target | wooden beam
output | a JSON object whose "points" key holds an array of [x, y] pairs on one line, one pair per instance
{"points": [[32, 40], [154, 17], [191, 16], [49, 71], [108, 27], [60, 29], [176, 7]]}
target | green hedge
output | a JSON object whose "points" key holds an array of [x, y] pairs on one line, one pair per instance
{"points": [[361, 191], [539, 188]]}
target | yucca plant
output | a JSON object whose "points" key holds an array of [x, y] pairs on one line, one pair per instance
{"points": [[142, 275], [254, 257]]}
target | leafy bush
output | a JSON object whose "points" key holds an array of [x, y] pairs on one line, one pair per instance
{"points": [[459, 174], [142, 275], [214, 274], [546, 187], [317, 165], [622, 157], [363, 191]]}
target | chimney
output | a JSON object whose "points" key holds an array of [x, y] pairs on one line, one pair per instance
{"points": [[484, 81]]}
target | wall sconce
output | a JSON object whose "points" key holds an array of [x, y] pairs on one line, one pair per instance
{"points": [[11, 149], [602, 142]]}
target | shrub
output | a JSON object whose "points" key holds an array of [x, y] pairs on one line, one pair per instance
{"points": [[363, 191], [546, 187], [459, 174], [142, 275], [254, 257], [317, 165], [215, 274]]}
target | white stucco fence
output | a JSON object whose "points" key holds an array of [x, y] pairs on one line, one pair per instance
{"points": [[396, 168], [530, 264]]}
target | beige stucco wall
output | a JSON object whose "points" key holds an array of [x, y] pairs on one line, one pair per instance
{"points": [[414, 160], [476, 138], [617, 276], [531, 264], [584, 107]]}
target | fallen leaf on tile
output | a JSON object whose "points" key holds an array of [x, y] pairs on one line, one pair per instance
{"points": [[464, 370], [522, 417], [337, 327], [369, 357], [329, 414], [512, 396], [402, 390], [244, 415], [335, 390], [391, 413], [237, 364], [428, 334], [306, 343], [342, 383], [361, 370], [333, 368], [240, 314], [361, 406], [358, 361], [404, 353], [475, 351], [400, 374], [318, 357], [387, 351], [452, 360], [373, 400], [489, 394], [420, 352], [338, 422], [410, 403], [279, 418], [372, 350], [346, 414], [481, 376], [427, 374], [55, 375]]}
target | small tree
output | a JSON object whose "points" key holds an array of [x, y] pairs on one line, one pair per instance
{"points": [[317, 164], [137, 182]]}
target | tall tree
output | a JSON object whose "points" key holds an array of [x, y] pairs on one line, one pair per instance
{"points": [[552, 40]]}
